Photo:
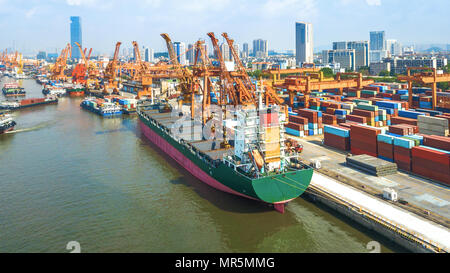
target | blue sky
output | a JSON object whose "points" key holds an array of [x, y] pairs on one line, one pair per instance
{"points": [[44, 25]]}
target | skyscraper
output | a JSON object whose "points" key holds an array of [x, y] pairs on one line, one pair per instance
{"points": [[244, 50], [377, 40], [190, 55], [225, 49], [149, 55], [75, 36], [260, 49], [180, 49], [394, 47], [303, 43]]}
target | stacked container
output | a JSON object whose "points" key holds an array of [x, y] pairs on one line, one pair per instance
{"points": [[431, 162], [433, 126], [363, 139], [385, 147], [337, 137], [402, 152]]}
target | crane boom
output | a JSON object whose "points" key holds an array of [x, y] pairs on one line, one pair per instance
{"points": [[172, 55]]}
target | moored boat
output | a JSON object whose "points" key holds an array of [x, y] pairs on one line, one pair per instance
{"points": [[13, 89], [101, 107], [256, 164]]}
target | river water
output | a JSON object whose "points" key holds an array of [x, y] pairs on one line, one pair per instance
{"points": [[67, 174]]}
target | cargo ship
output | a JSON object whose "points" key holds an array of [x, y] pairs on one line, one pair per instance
{"points": [[15, 105], [54, 90], [258, 164], [6, 123], [101, 107], [128, 105], [12, 90], [76, 90]]}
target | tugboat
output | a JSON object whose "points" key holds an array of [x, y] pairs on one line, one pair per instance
{"points": [[76, 90], [13, 89], [54, 90], [6, 123]]}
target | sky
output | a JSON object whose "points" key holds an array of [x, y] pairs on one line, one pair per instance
{"points": [[34, 25]]}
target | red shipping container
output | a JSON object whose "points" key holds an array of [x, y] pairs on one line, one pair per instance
{"points": [[298, 119], [438, 142], [295, 126], [401, 120], [342, 143], [356, 118], [402, 156], [432, 155], [386, 150]]}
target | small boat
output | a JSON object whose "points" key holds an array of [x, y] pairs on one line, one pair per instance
{"points": [[6, 123]]}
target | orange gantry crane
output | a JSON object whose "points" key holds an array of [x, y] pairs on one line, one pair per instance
{"points": [[80, 72], [60, 65], [184, 74], [305, 85], [425, 78], [110, 74], [234, 88]]}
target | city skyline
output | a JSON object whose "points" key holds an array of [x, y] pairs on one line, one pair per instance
{"points": [[270, 20]]}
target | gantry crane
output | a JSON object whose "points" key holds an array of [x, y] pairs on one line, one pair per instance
{"points": [[79, 73], [111, 72], [304, 84], [426, 78], [184, 74], [60, 65]]}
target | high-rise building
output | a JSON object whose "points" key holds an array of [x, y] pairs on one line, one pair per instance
{"points": [[361, 48], [190, 55], [393, 47], [303, 43], [41, 55], [260, 49], [225, 49], [180, 49], [75, 36], [377, 56], [345, 57], [377, 40], [236, 49], [245, 50], [149, 55]]}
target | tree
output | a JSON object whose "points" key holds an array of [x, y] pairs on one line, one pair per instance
{"points": [[327, 72], [256, 74], [443, 85], [384, 73], [364, 70]]}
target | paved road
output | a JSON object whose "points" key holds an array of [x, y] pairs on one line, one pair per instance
{"points": [[417, 191], [432, 232]]}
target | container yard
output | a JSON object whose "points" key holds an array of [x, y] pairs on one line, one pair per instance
{"points": [[376, 153]]}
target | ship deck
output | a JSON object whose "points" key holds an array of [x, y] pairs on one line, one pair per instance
{"points": [[193, 138]]}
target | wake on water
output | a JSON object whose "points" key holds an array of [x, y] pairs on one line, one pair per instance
{"points": [[37, 127]]}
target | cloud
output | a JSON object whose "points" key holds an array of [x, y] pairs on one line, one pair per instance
{"points": [[303, 9], [153, 3], [80, 2], [373, 2], [30, 13]]}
